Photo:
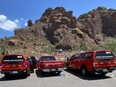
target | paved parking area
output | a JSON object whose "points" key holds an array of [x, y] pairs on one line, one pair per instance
{"points": [[66, 79]]}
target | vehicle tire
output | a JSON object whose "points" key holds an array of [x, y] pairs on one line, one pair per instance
{"points": [[28, 73], [58, 73], [83, 71], [40, 72], [6, 75], [67, 67]]}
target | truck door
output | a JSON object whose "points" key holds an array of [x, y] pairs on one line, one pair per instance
{"points": [[85, 59], [71, 62], [88, 60], [76, 61]]}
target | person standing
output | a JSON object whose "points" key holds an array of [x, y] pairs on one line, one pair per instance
{"points": [[32, 63]]}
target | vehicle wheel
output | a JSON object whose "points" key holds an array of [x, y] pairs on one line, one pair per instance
{"points": [[67, 67], [7, 75], [83, 71], [28, 73], [58, 73], [40, 72]]}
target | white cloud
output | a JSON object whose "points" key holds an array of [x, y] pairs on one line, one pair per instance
{"points": [[16, 21], [25, 24], [3, 18], [10, 25]]}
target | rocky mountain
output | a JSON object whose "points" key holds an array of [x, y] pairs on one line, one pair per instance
{"points": [[65, 31], [61, 29]]}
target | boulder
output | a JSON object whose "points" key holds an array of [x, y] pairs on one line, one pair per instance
{"points": [[12, 42], [30, 23]]}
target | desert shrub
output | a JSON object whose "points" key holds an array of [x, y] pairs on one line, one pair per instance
{"points": [[110, 44], [49, 49]]}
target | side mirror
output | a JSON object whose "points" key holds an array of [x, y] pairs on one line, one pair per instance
{"points": [[68, 58]]}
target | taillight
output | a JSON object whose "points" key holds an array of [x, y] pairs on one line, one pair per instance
{"points": [[20, 65], [101, 63], [45, 65], [1, 67], [95, 63], [25, 65], [7, 66], [41, 63], [109, 62], [114, 62]]}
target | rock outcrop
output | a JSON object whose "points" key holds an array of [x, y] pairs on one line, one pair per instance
{"points": [[64, 31], [60, 26], [98, 22], [30, 23], [12, 42]]}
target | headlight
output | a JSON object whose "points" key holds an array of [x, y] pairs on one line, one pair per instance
{"points": [[0, 67]]}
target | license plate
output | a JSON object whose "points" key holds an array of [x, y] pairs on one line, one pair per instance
{"points": [[60, 69], [14, 72], [105, 70], [53, 69], [46, 70]]}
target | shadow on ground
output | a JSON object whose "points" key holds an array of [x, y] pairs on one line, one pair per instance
{"points": [[88, 77], [13, 77], [43, 75]]}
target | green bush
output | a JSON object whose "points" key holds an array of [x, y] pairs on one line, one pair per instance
{"points": [[78, 49], [110, 44], [49, 49]]}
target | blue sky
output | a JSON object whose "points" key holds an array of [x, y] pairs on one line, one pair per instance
{"points": [[15, 13]]}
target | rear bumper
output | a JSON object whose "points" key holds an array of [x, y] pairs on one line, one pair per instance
{"points": [[52, 70], [14, 72], [102, 70]]}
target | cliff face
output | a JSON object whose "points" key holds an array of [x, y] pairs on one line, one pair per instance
{"points": [[65, 31], [60, 28], [60, 23], [100, 21]]}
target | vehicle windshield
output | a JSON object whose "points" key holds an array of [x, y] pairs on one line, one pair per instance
{"points": [[47, 58], [13, 58], [104, 55]]}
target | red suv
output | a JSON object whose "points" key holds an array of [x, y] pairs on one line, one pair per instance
{"points": [[14, 64], [96, 61]]}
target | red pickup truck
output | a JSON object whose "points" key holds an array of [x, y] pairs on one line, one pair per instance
{"points": [[50, 64], [14, 64], [96, 61]]}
